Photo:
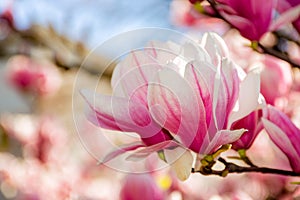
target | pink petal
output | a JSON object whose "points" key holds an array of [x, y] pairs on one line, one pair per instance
{"points": [[287, 17], [281, 139], [253, 125], [162, 52], [285, 124], [246, 28], [146, 151], [222, 137], [206, 70], [199, 84], [131, 76], [179, 104], [261, 14], [226, 89], [117, 113], [231, 81], [122, 149], [251, 18]]}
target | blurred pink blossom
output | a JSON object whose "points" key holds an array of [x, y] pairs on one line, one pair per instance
{"points": [[183, 14], [137, 186], [47, 168], [28, 75], [276, 71], [43, 138], [7, 15], [240, 49]]}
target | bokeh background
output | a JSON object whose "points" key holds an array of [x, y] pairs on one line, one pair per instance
{"points": [[42, 46]]}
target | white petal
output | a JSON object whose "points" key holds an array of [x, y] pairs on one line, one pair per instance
{"points": [[181, 161], [215, 46], [248, 97]]}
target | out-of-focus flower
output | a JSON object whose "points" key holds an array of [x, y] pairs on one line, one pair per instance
{"points": [[253, 125], [284, 134], [240, 50], [275, 71], [285, 5], [7, 15], [29, 75], [48, 161], [183, 14], [137, 186], [42, 139], [250, 17], [183, 96]]}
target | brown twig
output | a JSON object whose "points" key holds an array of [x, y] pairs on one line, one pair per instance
{"points": [[234, 168], [277, 54]]}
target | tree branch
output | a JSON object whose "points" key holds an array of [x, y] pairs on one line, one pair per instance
{"points": [[234, 168], [277, 54]]}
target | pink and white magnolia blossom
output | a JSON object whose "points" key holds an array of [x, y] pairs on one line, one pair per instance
{"points": [[251, 17], [284, 134], [176, 97]]}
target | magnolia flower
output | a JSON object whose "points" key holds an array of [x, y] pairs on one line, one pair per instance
{"points": [[252, 18], [284, 134], [176, 97]]}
